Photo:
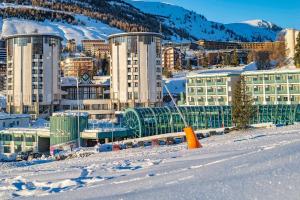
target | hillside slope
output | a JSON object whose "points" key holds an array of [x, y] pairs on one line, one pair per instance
{"points": [[73, 19], [201, 28]]}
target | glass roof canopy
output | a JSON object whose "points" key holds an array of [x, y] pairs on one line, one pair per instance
{"points": [[154, 121], [161, 120]]}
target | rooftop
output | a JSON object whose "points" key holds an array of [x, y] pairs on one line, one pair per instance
{"points": [[32, 35], [4, 116], [135, 34]]}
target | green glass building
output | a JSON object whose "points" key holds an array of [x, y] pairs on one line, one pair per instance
{"points": [[155, 121]]}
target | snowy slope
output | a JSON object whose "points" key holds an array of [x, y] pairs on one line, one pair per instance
{"points": [[198, 26], [172, 16], [257, 164], [91, 29]]}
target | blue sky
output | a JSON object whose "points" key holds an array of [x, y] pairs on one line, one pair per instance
{"points": [[285, 13]]}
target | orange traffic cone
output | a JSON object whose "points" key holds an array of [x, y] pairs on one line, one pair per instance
{"points": [[191, 138]]}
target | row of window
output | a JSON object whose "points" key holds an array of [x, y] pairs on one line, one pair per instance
{"points": [[208, 80], [135, 95], [283, 77]]}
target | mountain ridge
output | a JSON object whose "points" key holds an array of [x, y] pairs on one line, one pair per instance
{"points": [[97, 19]]}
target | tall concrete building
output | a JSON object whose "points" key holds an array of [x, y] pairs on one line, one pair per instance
{"points": [[2, 65], [291, 41], [33, 74], [136, 72]]}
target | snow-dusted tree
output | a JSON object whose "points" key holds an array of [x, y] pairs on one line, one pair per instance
{"points": [[242, 105]]}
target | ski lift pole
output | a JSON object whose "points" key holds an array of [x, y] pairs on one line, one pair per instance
{"points": [[192, 140]]}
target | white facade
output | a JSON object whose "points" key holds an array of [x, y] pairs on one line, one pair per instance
{"points": [[33, 73], [136, 72], [290, 41]]}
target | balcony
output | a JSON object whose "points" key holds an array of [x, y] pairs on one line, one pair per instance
{"points": [[282, 91]]}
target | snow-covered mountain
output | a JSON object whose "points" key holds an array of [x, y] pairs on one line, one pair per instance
{"points": [[93, 20], [201, 28]]}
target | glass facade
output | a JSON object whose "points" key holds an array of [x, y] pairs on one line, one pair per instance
{"points": [[155, 121]]}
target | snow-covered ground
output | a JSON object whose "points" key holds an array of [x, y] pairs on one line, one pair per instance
{"points": [[256, 164]]}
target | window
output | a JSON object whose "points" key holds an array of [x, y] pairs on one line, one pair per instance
{"points": [[129, 77], [136, 84], [128, 62], [129, 85], [136, 77], [129, 69], [129, 95]]}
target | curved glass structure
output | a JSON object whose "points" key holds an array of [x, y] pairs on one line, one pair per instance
{"points": [[154, 121]]}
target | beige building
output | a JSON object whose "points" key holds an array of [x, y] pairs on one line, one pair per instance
{"points": [[171, 58], [78, 66], [290, 41], [71, 46], [95, 48], [136, 72], [33, 74]]}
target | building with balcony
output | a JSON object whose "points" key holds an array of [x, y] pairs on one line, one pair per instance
{"points": [[273, 87], [71, 46], [33, 74], [251, 46], [3, 68], [136, 72], [172, 58], [78, 66], [94, 97], [210, 88], [95, 48]]}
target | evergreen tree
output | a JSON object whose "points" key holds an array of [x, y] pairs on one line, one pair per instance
{"points": [[226, 59], [235, 59], [242, 105], [205, 62], [297, 52]]}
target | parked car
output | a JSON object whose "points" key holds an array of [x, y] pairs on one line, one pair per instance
{"points": [[178, 140], [170, 141], [28, 156], [147, 143], [22, 156]]}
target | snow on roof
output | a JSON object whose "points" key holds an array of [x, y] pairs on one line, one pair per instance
{"points": [[4, 116], [72, 81], [70, 113], [223, 71]]}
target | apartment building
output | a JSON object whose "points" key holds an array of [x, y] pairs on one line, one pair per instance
{"points": [[33, 74], [172, 58], [96, 48], [136, 72], [211, 88], [71, 46], [274, 87], [252, 46], [78, 66]]}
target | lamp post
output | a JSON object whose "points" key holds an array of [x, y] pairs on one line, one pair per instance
{"points": [[78, 111]]}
